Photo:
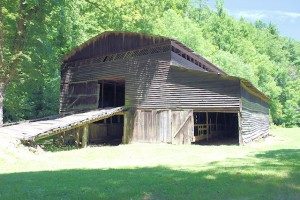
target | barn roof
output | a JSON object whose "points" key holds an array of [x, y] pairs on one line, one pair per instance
{"points": [[111, 42]]}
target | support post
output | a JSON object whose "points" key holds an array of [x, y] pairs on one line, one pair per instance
{"points": [[129, 125], [85, 135], [77, 136], [115, 94], [207, 128], [240, 128], [102, 91]]}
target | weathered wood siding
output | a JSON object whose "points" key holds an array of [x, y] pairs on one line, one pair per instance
{"points": [[164, 82], [112, 43], [254, 117], [182, 127], [201, 91], [143, 76], [163, 126]]}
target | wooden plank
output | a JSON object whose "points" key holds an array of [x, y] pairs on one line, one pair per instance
{"points": [[183, 123], [41, 129]]}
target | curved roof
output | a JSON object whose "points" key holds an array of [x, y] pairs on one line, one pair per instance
{"points": [[111, 42]]}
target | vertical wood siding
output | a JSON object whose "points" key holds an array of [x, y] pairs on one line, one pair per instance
{"points": [[163, 126]]}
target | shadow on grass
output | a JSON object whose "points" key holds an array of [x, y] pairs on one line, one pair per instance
{"points": [[218, 182]]}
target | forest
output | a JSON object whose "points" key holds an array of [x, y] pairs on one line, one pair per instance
{"points": [[36, 34]]}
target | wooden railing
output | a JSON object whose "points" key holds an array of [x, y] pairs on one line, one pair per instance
{"points": [[207, 131]]}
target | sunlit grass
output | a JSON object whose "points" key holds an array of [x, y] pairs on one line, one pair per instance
{"points": [[268, 169]]}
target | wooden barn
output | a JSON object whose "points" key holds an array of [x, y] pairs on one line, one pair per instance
{"points": [[170, 93]]}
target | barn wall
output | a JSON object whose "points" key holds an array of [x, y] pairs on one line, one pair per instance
{"points": [[150, 83], [163, 126], [143, 77], [178, 60], [201, 91], [254, 117]]}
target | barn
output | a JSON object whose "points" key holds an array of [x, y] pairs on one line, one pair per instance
{"points": [[169, 93]]}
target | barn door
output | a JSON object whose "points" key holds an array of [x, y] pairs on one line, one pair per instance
{"points": [[163, 126], [182, 127]]}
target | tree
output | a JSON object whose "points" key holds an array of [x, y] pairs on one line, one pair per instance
{"points": [[11, 43]]}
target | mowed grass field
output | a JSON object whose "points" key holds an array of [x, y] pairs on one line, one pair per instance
{"points": [[268, 169]]}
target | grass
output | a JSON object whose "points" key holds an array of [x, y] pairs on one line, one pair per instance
{"points": [[268, 169]]}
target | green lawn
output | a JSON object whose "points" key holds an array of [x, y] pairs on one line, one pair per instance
{"points": [[268, 169]]}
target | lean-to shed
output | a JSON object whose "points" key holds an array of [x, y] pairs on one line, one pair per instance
{"points": [[171, 94]]}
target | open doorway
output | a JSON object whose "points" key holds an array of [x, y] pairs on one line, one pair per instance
{"points": [[216, 128], [110, 130], [107, 131], [112, 93]]}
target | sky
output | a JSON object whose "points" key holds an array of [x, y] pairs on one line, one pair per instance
{"points": [[285, 14]]}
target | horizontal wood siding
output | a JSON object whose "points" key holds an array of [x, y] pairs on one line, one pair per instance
{"points": [[143, 78], [201, 91], [254, 117]]}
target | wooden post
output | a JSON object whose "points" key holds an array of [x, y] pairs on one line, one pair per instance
{"points": [[115, 94], [85, 135], [240, 128], [217, 122], [207, 129], [129, 125], [102, 90], [77, 136]]}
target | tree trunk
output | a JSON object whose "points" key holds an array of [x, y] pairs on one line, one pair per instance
{"points": [[1, 102]]}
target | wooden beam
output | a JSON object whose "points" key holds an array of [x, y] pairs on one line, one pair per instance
{"points": [[207, 129], [85, 135], [240, 128], [115, 94], [77, 135], [102, 91], [190, 114]]}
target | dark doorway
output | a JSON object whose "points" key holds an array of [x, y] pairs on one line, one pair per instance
{"points": [[108, 131], [111, 94], [216, 128]]}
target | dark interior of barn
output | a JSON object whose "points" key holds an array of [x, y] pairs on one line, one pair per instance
{"points": [[112, 93], [109, 131], [216, 128]]}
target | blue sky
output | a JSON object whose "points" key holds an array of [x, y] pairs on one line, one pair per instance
{"points": [[285, 14]]}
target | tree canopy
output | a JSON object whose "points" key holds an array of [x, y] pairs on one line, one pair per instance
{"points": [[35, 34]]}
